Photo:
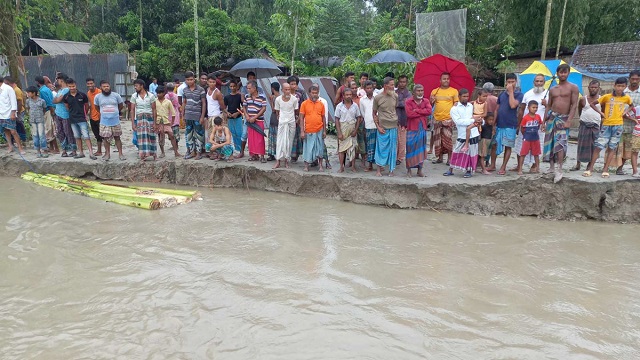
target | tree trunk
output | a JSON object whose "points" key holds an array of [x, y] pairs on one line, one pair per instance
{"points": [[9, 39], [141, 37], [547, 20], [564, 9]]}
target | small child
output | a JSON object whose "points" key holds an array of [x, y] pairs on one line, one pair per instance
{"points": [[635, 140], [164, 113], [531, 142], [37, 108], [220, 141], [479, 109], [487, 140]]}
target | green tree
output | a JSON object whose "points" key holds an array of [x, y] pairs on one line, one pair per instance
{"points": [[108, 43], [292, 26], [343, 37]]}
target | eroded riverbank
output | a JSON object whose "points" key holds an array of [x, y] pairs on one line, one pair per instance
{"points": [[574, 198]]}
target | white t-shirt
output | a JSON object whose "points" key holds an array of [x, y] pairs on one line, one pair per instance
{"points": [[181, 88], [287, 109], [589, 115], [8, 101], [326, 112], [530, 95], [213, 106], [366, 109]]}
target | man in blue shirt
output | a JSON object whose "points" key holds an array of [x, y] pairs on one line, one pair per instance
{"points": [[507, 120], [47, 96], [63, 125]]}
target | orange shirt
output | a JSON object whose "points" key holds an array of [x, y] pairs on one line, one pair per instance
{"points": [[95, 112], [313, 115]]}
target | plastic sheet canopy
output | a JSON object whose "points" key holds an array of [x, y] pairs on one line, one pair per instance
{"points": [[442, 32]]}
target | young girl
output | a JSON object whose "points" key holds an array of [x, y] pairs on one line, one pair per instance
{"points": [[220, 141], [37, 108], [479, 109]]}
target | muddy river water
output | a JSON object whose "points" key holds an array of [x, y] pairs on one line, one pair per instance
{"points": [[255, 275]]}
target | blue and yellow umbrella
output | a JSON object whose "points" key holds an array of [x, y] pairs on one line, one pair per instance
{"points": [[548, 69]]}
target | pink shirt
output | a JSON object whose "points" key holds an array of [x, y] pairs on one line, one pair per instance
{"points": [[176, 106]]}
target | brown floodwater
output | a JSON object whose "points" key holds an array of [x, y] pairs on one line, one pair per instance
{"points": [[256, 275]]}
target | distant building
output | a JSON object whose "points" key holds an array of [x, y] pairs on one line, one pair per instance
{"points": [[606, 62], [37, 46]]}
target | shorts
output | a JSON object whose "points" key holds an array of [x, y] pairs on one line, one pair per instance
{"points": [[80, 130], [505, 137], [609, 136], [485, 147], [109, 132], [532, 147], [635, 144], [7, 124], [625, 139]]}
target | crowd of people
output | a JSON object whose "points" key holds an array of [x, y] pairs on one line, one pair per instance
{"points": [[382, 128]]}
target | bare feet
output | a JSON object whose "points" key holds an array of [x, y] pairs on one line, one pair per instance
{"points": [[277, 165], [99, 153], [409, 173], [520, 173], [341, 169], [240, 156], [286, 164], [485, 172], [306, 167], [378, 173], [122, 158], [491, 168], [161, 155], [420, 173], [391, 174], [177, 154]]}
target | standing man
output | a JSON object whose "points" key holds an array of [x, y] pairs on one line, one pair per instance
{"points": [[21, 99], [65, 134], [348, 119], [418, 109], [215, 105], [203, 80], [296, 149], [539, 95], [47, 96], [370, 129], [143, 120], [403, 95], [255, 105], [349, 76], [590, 118], [194, 111], [286, 108], [462, 115], [233, 108], [153, 87], [507, 121], [443, 99], [386, 120], [364, 77], [313, 129], [78, 104], [624, 149], [273, 121], [8, 114], [110, 104], [563, 102], [94, 113]]}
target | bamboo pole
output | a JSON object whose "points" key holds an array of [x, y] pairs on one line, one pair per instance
{"points": [[547, 20]]}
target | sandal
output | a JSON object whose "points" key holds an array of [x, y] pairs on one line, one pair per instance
{"points": [[437, 161], [448, 173], [586, 173], [188, 156], [64, 155], [251, 158], [263, 160], [502, 173], [605, 175], [620, 172], [467, 175]]}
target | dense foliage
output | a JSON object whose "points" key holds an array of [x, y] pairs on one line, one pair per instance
{"points": [[231, 30]]}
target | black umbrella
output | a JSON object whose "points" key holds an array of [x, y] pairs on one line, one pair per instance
{"points": [[392, 56], [261, 67], [256, 128]]}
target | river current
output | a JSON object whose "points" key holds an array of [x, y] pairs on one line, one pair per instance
{"points": [[255, 275]]}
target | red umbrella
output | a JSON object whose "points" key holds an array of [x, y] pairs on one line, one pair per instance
{"points": [[428, 73]]}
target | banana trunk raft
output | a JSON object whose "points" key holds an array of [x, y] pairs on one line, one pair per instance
{"points": [[135, 196]]}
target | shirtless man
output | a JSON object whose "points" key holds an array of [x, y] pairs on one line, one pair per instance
{"points": [[563, 102]]}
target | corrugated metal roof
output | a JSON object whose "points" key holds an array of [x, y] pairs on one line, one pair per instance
{"points": [[62, 47], [613, 58]]}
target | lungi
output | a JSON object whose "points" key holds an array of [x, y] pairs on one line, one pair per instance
{"points": [[313, 147], [348, 143], [587, 136], [387, 148], [402, 143], [556, 136], [442, 132], [194, 136], [225, 151], [65, 134], [110, 132], [273, 140], [467, 161], [286, 132], [146, 135], [370, 141], [255, 139], [49, 126], [235, 126], [362, 142], [298, 144], [416, 147]]}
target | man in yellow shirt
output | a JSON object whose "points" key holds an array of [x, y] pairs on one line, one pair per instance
{"points": [[20, 98], [443, 99], [164, 113], [613, 106]]}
